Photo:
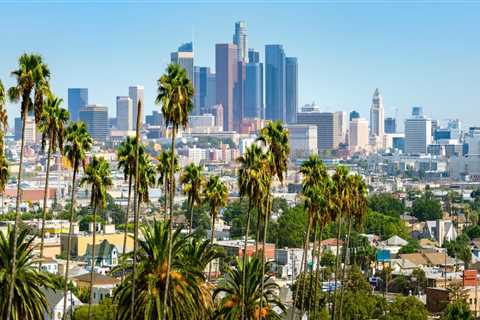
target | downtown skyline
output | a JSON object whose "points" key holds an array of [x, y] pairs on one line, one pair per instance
{"points": [[429, 75]]}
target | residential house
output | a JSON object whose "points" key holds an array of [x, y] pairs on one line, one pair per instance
{"points": [[440, 231], [332, 245], [103, 285], [106, 254], [55, 303]]}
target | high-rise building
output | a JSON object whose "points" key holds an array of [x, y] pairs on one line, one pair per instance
{"points": [[240, 39], [204, 90], [253, 104], [124, 113], [275, 93], [184, 57], [253, 56], [342, 128], [30, 129], [390, 125], [418, 135], [239, 95], [155, 119], [96, 119], [358, 134], [77, 99], [226, 64], [327, 128], [291, 89], [377, 116], [136, 93], [217, 111], [354, 115], [302, 139], [417, 111]]}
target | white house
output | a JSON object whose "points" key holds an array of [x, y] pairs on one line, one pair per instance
{"points": [[440, 231], [55, 303]]}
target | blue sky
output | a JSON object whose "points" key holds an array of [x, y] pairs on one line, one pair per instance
{"points": [[417, 52]]}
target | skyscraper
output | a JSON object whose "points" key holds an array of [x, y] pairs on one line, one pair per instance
{"points": [[136, 93], [204, 97], [226, 76], [239, 95], [417, 111], [124, 113], [253, 103], [253, 56], [377, 116], [390, 125], [327, 128], [354, 115], [275, 108], [77, 99], [96, 119], [240, 39], [358, 134], [418, 135], [291, 89], [184, 57]]}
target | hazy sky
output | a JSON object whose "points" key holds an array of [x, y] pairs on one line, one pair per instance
{"points": [[423, 53]]}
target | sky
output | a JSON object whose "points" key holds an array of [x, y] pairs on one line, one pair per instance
{"points": [[418, 53]]}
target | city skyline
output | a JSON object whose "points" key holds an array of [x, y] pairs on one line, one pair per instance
{"points": [[411, 66]]}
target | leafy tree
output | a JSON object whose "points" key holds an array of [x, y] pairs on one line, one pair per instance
{"points": [[460, 248], [458, 310], [411, 247], [472, 231], [406, 308], [386, 203], [293, 219], [385, 226], [105, 310], [312, 299], [427, 207]]}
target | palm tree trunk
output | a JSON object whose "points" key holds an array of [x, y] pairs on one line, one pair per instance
{"points": [[297, 289], [92, 271], [311, 271], [337, 263], [245, 245], [317, 274], [190, 228], [305, 255], [347, 260], [165, 203], [170, 226], [45, 197], [127, 212], [265, 227], [135, 214], [69, 238], [212, 239], [17, 213], [257, 235]]}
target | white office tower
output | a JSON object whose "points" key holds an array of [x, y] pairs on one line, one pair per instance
{"points": [[136, 93], [240, 39], [418, 135], [358, 134], [377, 120], [30, 130], [302, 139], [124, 113], [343, 124]]}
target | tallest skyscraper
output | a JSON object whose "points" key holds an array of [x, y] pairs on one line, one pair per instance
{"points": [[377, 118], [240, 39]]}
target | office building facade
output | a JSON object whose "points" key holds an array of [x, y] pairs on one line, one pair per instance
{"points": [[226, 64], [136, 94], [124, 113], [275, 89], [302, 139], [418, 135], [390, 125], [77, 99], [253, 103], [96, 119], [184, 57], [358, 134], [327, 128], [291, 89], [240, 39]]}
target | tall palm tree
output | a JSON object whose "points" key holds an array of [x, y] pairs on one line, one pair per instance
{"points": [[163, 170], [175, 94], [216, 194], [275, 138], [3, 116], [4, 174], [252, 183], [188, 293], [78, 143], [126, 154], [98, 176], [30, 302], [257, 303], [147, 176], [192, 179], [52, 124], [32, 75]]}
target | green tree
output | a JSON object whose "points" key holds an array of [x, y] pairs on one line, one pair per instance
{"points": [[258, 303], [175, 94], [78, 143], [32, 75], [458, 310], [53, 122], [411, 247], [97, 175], [406, 308], [105, 310], [192, 180], [386, 203], [427, 207], [29, 301], [187, 291]]}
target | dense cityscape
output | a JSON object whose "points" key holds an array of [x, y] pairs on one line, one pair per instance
{"points": [[230, 200]]}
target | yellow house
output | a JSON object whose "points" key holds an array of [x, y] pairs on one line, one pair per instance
{"points": [[80, 242]]}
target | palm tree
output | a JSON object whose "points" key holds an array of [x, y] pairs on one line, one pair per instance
{"points": [[3, 116], [175, 94], [126, 154], [252, 183], [216, 194], [147, 178], [188, 295], [30, 302], [52, 124], [4, 174], [257, 303], [192, 179], [163, 170], [275, 138], [98, 176], [78, 143], [32, 75]]}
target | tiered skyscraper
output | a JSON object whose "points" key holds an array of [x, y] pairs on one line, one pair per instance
{"points": [[253, 102], [184, 57], [240, 39], [377, 119]]}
